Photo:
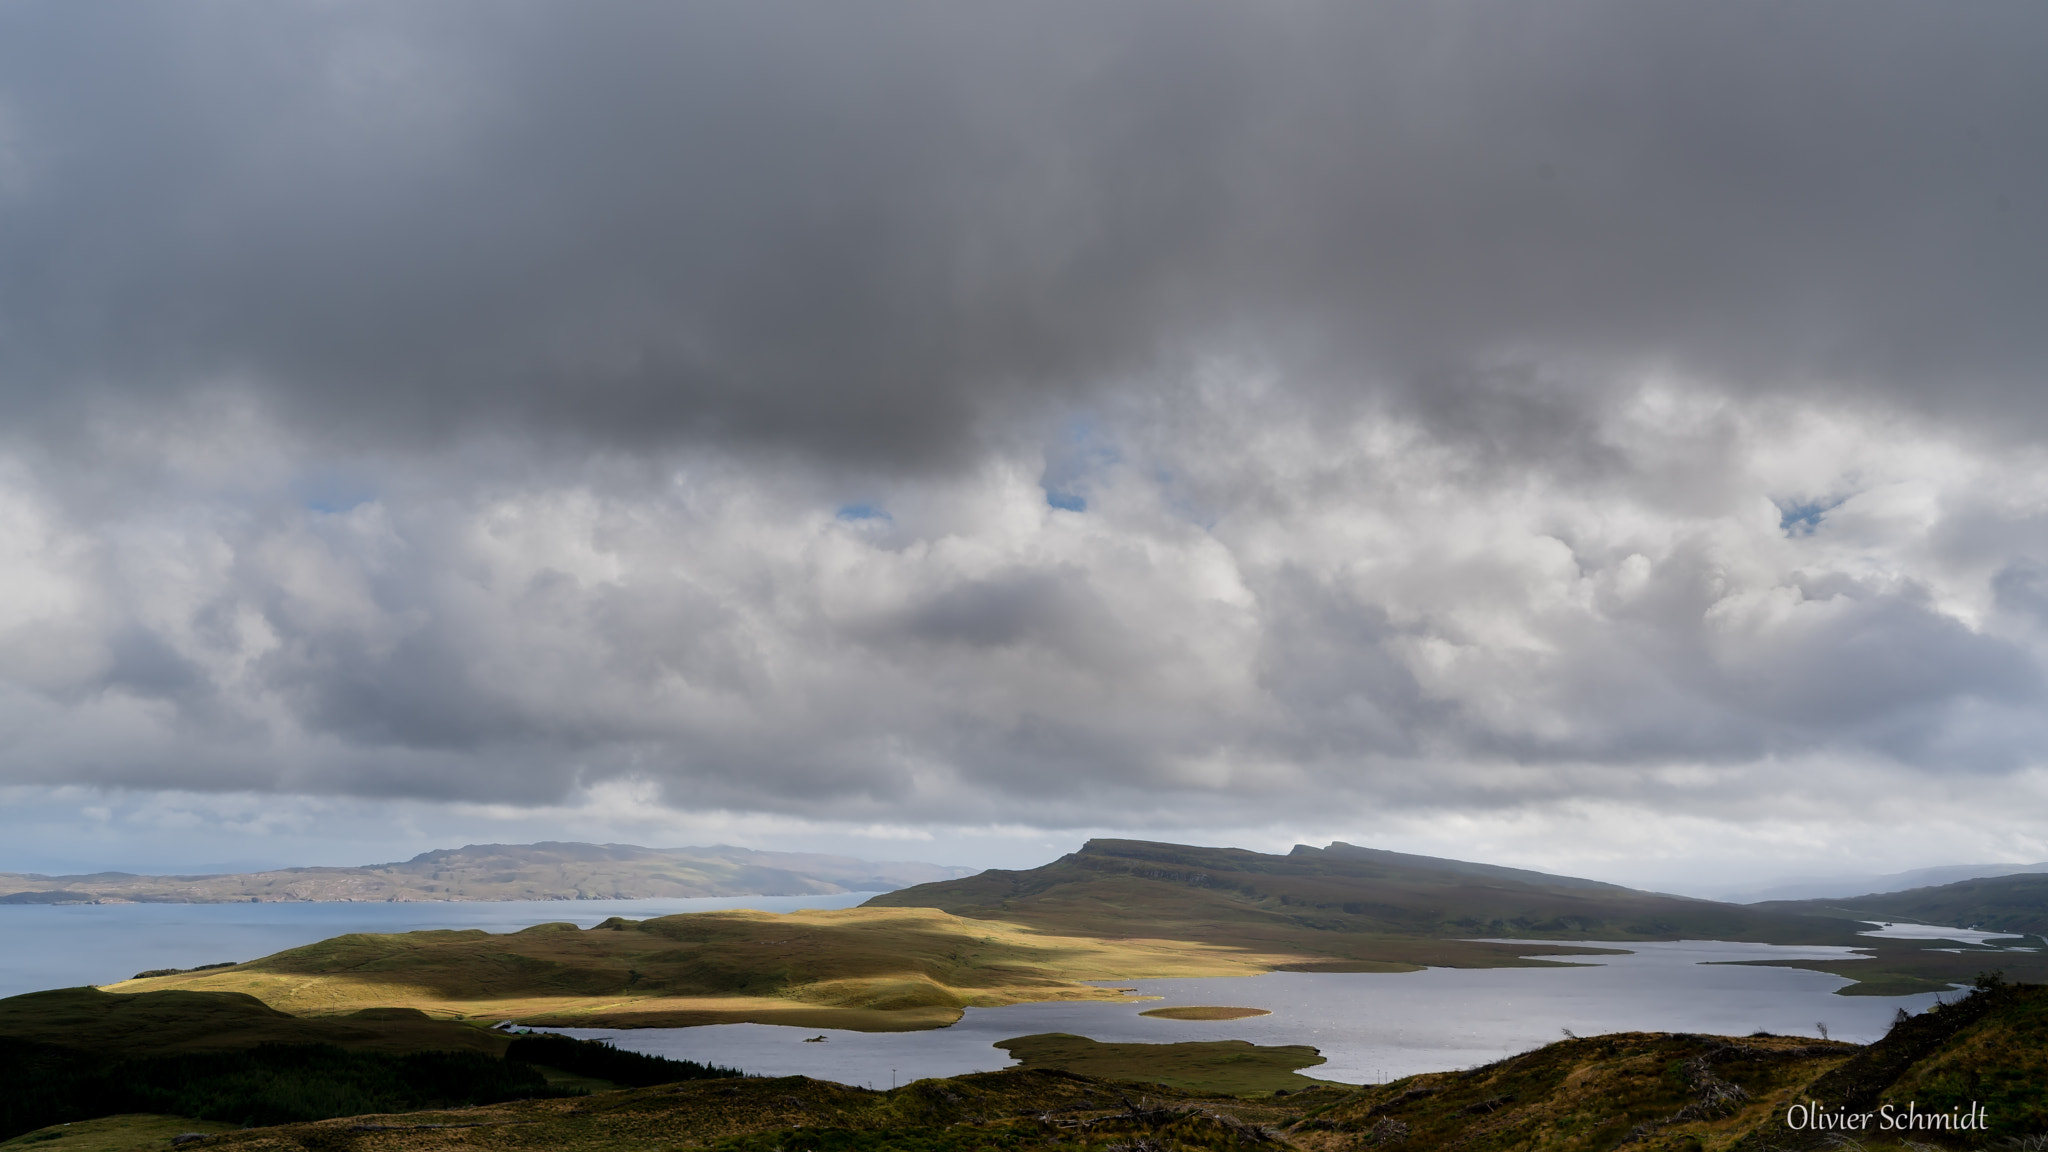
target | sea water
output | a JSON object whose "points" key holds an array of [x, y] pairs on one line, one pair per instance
{"points": [[1369, 1026], [66, 945]]}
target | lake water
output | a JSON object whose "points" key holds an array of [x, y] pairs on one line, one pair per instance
{"points": [[1369, 1026], [66, 945]]}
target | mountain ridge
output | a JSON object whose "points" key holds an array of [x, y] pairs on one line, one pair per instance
{"points": [[548, 870], [1344, 890]]}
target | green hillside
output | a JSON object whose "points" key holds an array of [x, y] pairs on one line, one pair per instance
{"points": [[1125, 887], [871, 969], [2016, 904]]}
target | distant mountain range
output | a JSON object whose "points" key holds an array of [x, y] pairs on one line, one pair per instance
{"points": [[1840, 887], [545, 871]]}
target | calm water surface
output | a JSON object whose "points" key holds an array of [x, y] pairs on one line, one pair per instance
{"points": [[1369, 1026], [65, 945]]}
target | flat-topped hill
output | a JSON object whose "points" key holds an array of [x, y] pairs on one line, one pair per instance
{"points": [[1111, 885]]}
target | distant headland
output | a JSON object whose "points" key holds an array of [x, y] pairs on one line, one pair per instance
{"points": [[546, 871]]}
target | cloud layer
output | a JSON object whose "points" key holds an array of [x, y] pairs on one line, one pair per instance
{"points": [[1218, 414]]}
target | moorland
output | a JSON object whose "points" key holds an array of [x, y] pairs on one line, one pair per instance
{"points": [[368, 1042], [267, 1083], [1116, 910]]}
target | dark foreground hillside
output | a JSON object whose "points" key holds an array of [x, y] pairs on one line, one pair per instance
{"points": [[78, 1053], [1984, 1055]]}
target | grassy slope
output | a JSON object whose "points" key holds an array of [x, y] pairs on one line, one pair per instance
{"points": [[1585, 1095], [2000, 1061], [871, 969], [1344, 906], [1235, 1067], [990, 1110], [112, 1134], [173, 1021], [1648, 1091]]}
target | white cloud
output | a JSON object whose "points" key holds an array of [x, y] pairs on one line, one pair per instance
{"points": [[1347, 429], [1370, 624]]}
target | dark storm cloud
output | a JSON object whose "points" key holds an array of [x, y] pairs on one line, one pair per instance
{"points": [[865, 232], [915, 411]]}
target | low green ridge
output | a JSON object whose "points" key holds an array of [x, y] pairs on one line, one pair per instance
{"points": [[1229, 1067], [2015, 904]]}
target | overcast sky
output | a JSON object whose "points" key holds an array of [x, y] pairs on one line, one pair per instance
{"points": [[1604, 437]]}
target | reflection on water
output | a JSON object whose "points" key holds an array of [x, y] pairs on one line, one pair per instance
{"points": [[1369, 1026]]}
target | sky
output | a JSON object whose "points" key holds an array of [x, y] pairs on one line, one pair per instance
{"points": [[1596, 436]]}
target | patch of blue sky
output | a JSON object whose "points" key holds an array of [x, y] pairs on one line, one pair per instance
{"points": [[857, 512], [332, 490], [1804, 518], [1075, 463]]}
